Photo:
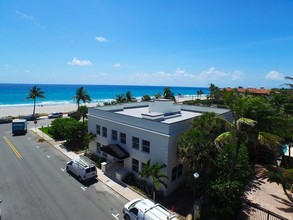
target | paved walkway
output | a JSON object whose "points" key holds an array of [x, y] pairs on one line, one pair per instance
{"points": [[117, 186], [269, 195]]}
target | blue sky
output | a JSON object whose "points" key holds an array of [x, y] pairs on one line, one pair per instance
{"points": [[147, 42]]}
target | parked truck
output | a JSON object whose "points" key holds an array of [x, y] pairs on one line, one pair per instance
{"points": [[145, 209], [19, 126]]}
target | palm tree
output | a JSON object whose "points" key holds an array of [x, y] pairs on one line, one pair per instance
{"points": [[214, 92], [128, 96], [168, 94], [199, 93], [154, 173], [81, 95], [121, 98], [35, 93], [289, 84], [263, 127], [83, 110]]}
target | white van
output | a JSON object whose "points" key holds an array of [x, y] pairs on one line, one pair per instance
{"points": [[83, 168], [145, 209]]}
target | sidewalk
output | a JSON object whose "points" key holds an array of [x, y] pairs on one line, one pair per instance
{"points": [[117, 186]]}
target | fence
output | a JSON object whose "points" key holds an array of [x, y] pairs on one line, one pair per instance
{"points": [[253, 211]]}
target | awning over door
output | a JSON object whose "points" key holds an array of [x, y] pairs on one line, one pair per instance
{"points": [[115, 150]]}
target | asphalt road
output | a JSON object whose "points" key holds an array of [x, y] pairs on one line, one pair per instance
{"points": [[35, 185]]}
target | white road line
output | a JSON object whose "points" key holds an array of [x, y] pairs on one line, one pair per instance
{"points": [[48, 156], [63, 170], [83, 188], [115, 216], [38, 147]]}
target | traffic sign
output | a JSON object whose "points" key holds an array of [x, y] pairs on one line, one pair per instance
{"points": [[35, 122]]}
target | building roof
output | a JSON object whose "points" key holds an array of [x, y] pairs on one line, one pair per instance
{"points": [[168, 119], [260, 91]]}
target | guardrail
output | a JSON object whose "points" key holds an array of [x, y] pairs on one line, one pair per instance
{"points": [[258, 213]]}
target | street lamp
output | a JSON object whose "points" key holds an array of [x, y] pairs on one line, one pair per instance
{"points": [[196, 208], [195, 175]]}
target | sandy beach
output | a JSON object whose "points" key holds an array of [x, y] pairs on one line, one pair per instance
{"points": [[27, 110], [65, 108]]}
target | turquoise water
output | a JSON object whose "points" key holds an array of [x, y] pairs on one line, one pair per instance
{"points": [[15, 94]]}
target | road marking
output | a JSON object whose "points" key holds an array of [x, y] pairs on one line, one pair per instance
{"points": [[63, 170], [115, 216], [83, 188], [48, 156], [12, 147], [38, 147]]}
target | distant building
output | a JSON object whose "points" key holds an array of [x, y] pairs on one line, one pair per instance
{"points": [[131, 134], [259, 91]]}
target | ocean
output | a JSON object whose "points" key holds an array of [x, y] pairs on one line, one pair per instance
{"points": [[15, 94]]}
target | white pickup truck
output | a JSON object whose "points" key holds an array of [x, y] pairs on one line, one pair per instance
{"points": [[145, 209]]}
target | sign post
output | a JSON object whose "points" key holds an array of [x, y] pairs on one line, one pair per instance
{"points": [[35, 122]]}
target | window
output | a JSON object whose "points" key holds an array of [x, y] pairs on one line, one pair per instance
{"points": [[98, 150], [104, 132], [180, 170], [134, 211], [98, 129], [142, 166], [135, 165], [135, 142], [174, 173], [145, 146], [114, 135], [177, 172], [123, 138]]}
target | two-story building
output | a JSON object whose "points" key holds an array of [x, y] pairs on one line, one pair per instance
{"points": [[133, 133]]}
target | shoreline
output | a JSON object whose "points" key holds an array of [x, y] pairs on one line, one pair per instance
{"points": [[16, 111]]}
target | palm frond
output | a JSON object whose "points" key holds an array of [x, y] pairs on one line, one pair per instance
{"points": [[246, 121], [269, 140], [223, 138]]}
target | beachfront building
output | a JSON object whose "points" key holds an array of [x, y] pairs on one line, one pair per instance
{"points": [[131, 134]]}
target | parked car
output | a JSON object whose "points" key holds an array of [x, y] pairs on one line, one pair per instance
{"points": [[83, 168], [55, 115], [4, 120], [145, 209], [28, 117]]}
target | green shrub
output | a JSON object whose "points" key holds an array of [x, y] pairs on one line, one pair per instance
{"points": [[129, 178]]}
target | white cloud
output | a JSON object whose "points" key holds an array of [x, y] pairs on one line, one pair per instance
{"points": [[101, 39], [237, 76], [215, 75], [29, 18], [117, 65], [78, 62], [212, 74], [274, 75]]}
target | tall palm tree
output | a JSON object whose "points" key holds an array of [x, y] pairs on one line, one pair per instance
{"points": [[33, 94], [81, 95]]}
